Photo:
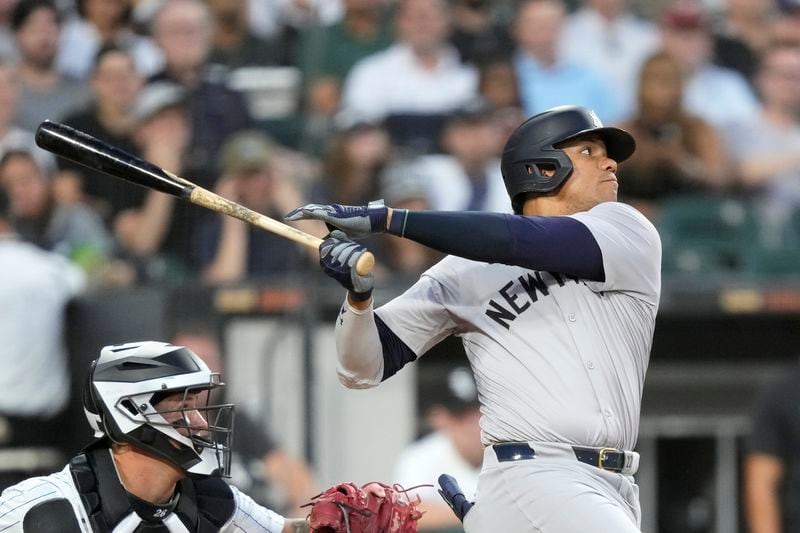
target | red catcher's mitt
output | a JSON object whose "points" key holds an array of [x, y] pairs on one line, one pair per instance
{"points": [[348, 508]]}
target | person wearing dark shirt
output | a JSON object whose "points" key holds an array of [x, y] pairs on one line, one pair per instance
{"points": [[115, 83], [771, 466]]}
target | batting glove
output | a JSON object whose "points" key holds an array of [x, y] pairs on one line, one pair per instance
{"points": [[357, 221], [338, 256]]}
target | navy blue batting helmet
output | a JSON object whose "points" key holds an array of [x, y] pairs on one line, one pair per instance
{"points": [[533, 145]]}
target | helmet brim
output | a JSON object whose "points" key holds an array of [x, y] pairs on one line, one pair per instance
{"points": [[620, 144]]}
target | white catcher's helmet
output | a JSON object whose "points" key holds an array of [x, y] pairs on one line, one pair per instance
{"points": [[127, 381]]}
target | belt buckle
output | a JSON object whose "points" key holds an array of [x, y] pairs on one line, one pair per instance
{"points": [[601, 458]]}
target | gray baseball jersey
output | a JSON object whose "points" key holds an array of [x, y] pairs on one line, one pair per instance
{"points": [[555, 359]]}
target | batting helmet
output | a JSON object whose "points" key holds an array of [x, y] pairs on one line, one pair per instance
{"points": [[142, 394], [534, 142]]}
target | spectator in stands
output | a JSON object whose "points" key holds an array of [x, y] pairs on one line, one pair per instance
{"points": [[234, 45], [787, 26], [8, 50], [72, 230], [415, 82], [154, 234], [676, 152], [402, 184], [270, 18], [771, 473], [230, 250], [183, 29], [477, 35], [719, 95], [545, 78], [34, 287], [103, 23], [12, 137], [253, 444], [452, 447], [45, 93], [499, 88], [115, 83], [467, 176], [357, 155], [325, 55], [605, 36], [743, 34], [766, 150]]}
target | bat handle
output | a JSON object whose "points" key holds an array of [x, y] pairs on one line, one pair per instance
{"points": [[365, 264]]}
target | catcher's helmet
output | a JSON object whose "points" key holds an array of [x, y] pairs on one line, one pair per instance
{"points": [[533, 144], [123, 401]]}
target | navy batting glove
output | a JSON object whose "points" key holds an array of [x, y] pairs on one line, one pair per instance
{"points": [[357, 221], [338, 256]]}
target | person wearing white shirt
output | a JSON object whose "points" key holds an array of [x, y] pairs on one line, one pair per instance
{"points": [[604, 35], [453, 447], [421, 73], [718, 95]]}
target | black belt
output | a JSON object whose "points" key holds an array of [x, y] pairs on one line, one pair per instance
{"points": [[605, 458]]}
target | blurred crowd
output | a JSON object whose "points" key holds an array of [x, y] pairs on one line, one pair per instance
{"points": [[276, 103]]}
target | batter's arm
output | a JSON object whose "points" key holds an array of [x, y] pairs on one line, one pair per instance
{"points": [[555, 243]]}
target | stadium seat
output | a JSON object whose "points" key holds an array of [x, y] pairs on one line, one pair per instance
{"points": [[706, 234]]}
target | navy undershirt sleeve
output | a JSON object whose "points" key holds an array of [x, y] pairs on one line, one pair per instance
{"points": [[555, 244], [395, 352]]}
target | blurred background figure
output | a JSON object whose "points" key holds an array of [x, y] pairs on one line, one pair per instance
{"points": [[771, 471], [467, 176], [325, 56], [766, 150], [677, 152], [402, 184], [417, 81], [35, 287], [13, 137], [183, 29], [101, 23], [742, 34], [605, 36], [269, 474], [499, 88], [157, 236], [45, 93], [453, 445], [72, 230], [719, 95], [115, 84], [230, 250], [358, 152], [477, 34], [234, 43], [8, 49], [546, 79]]}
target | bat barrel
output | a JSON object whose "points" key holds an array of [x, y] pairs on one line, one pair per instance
{"points": [[95, 154]]}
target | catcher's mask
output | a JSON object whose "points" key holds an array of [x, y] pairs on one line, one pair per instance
{"points": [[156, 397], [532, 147]]}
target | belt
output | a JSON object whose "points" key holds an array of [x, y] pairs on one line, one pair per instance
{"points": [[609, 459]]}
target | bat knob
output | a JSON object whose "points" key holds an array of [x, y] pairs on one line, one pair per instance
{"points": [[365, 264]]}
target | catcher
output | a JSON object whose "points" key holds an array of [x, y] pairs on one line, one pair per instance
{"points": [[162, 449]]}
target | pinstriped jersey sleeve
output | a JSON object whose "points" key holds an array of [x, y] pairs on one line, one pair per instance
{"points": [[18, 499], [250, 517]]}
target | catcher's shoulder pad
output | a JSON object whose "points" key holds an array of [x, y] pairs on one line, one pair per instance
{"points": [[51, 516]]}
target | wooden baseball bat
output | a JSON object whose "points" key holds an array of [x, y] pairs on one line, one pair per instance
{"points": [[93, 153]]}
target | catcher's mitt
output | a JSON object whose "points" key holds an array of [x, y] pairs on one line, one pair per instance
{"points": [[348, 508]]}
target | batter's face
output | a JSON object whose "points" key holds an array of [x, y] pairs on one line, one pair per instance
{"points": [[592, 182]]}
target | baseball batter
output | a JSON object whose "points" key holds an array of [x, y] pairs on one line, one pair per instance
{"points": [[556, 306]]}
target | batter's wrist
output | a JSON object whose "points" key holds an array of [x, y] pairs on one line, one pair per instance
{"points": [[397, 222]]}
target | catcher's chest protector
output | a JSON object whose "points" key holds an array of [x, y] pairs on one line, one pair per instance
{"points": [[204, 505]]}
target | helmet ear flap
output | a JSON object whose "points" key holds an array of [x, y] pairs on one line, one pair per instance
{"points": [[90, 402]]}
